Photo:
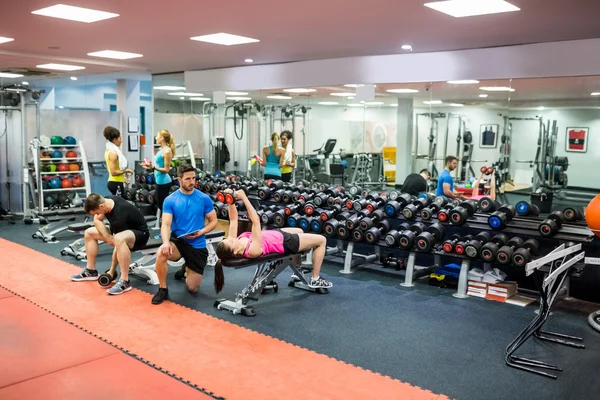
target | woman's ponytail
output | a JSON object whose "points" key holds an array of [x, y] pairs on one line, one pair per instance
{"points": [[172, 143], [219, 276]]}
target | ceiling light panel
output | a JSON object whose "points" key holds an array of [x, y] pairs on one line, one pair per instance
{"points": [[469, 8], [374, 103], [279, 97], [596, 94], [483, 95], [236, 93], [402, 91], [186, 94], [74, 13], [343, 94], [329, 103], [237, 98], [225, 39], [168, 88], [200, 98], [9, 75], [497, 89], [433, 102], [116, 55], [60, 67], [463, 82], [5, 39], [300, 90], [356, 105]]}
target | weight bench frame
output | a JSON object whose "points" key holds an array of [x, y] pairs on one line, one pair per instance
{"points": [[267, 269], [49, 231]]}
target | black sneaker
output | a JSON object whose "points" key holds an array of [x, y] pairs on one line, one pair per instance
{"points": [[162, 295], [180, 274]]}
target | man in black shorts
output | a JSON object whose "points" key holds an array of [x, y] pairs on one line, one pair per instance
{"points": [[127, 231], [416, 183], [182, 233]]}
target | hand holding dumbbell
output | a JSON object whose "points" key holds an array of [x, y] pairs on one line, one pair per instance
{"points": [[486, 170]]}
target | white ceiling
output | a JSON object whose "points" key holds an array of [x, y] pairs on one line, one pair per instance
{"points": [[288, 31]]}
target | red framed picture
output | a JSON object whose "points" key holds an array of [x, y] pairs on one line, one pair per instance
{"points": [[577, 139]]}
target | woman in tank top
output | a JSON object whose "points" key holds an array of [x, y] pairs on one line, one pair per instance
{"points": [[162, 165], [259, 243], [489, 190], [288, 160], [116, 163], [271, 158]]}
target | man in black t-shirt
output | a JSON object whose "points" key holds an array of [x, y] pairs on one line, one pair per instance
{"points": [[127, 231], [416, 183]]}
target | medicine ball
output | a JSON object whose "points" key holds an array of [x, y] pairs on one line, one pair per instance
{"points": [[70, 140], [73, 167], [45, 184], [66, 183], [592, 215], [49, 200], [78, 181], [51, 167], [62, 167], [71, 154], [57, 141], [54, 183], [56, 154], [62, 199]]}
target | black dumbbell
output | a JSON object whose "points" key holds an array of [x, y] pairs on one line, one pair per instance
{"points": [[525, 209], [459, 247], [267, 217], [287, 195], [407, 237], [524, 254], [330, 227], [304, 222], [503, 216], [465, 210], [279, 218], [343, 232], [375, 202], [275, 185], [441, 201], [505, 253], [106, 278], [488, 251], [369, 222], [294, 208], [293, 219], [264, 193], [428, 212], [572, 214], [374, 234], [326, 215], [442, 214], [277, 196], [412, 210], [310, 209], [316, 225], [432, 235], [320, 199], [392, 238], [487, 205], [448, 245], [473, 247], [552, 223], [352, 220]]}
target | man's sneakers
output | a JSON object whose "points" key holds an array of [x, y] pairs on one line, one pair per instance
{"points": [[162, 295], [180, 274], [319, 283], [120, 287], [85, 275]]}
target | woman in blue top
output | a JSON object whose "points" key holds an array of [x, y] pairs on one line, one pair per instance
{"points": [[271, 158], [162, 165]]}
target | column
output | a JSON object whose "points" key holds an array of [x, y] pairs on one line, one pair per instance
{"points": [[128, 104], [404, 139], [48, 99]]}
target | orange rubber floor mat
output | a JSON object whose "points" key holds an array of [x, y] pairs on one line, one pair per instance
{"points": [[44, 357], [221, 357]]}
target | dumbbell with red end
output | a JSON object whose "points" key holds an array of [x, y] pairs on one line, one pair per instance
{"points": [[375, 202], [280, 218], [229, 196], [411, 211], [320, 199], [352, 220], [267, 216], [523, 209], [428, 212], [264, 193], [448, 245], [473, 246], [505, 253], [310, 209], [487, 205], [331, 225], [369, 222], [407, 238], [572, 214], [486, 170], [306, 196], [503, 216], [442, 214], [374, 234], [332, 212], [294, 208], [392, 238], [287, 196], [490, 249], [278, 195], [432, 235], [459, 247], [274, 184], [465, 210], [394, 207], [552, 223], [525, 253]]}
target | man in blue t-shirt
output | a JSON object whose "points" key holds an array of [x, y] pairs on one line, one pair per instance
{"points": [[182, 233], [445, 185]]}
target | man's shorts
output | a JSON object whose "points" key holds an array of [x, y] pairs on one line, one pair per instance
{"points": [[141, 238], [195, 259]]}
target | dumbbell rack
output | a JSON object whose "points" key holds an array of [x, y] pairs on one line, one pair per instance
{"points": [[38, 175]]}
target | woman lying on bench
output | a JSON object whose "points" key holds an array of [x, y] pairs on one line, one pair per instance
{"points": [[259, 243]]}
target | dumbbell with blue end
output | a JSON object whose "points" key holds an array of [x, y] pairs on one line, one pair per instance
{"points": [[394, 207], [524, 209], [503, 216], [292, 220]]}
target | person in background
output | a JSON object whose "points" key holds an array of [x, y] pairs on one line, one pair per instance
{"points": [[116, 163], [288, 161], [271, 158], [489, 189], [445, 186], [162, 165], [416, 183]]}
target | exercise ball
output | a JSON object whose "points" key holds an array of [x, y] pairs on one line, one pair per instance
{"points": [[62, 168], [49, 200], [71, 154], [51, 167], [57, 141], [592, 215], [45, 184], [54, 183], [73, 167], [66, 183], [62, 199], [56, 154], [70, 140]]}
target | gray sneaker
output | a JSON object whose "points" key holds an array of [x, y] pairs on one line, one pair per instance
{"points": [[120, 287], [319, 283], [85, 275]]}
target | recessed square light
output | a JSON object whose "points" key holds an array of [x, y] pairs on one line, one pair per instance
{"points": [[236, 93], [469, 8], [186, 94], [60, 67], [483, 95], [73, 78], [355, 85], [455, 104], [225, 39], [24, 83], [343, 94], [117, 55], [374, 103], [5, 39], [463, 82], [497, 89], [74, 13], [200, 98], [299, 90], [248, 60], [356, 105], [279, 97], [394, 105], [329, 103], [238, 98], [9, 75], [402, 91], [433, 102], [406, 47], [168, 88]]}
